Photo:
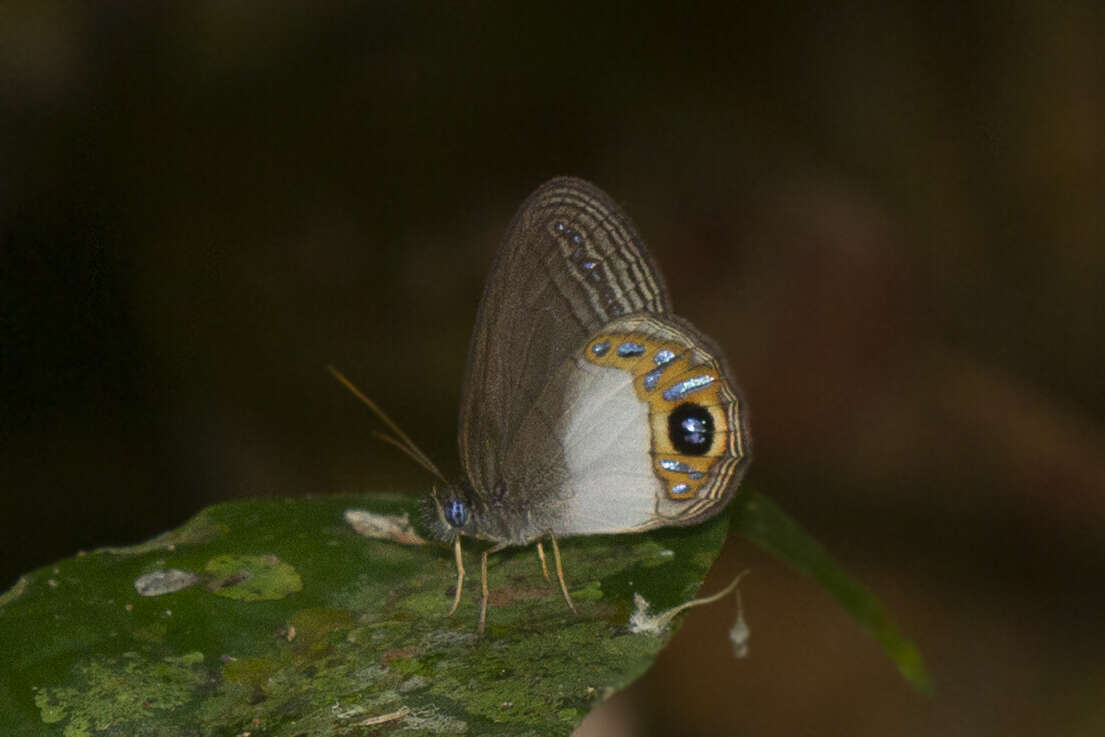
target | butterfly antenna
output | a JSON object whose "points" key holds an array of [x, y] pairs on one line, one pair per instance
{"points": [[390, 440], [403, 442]]}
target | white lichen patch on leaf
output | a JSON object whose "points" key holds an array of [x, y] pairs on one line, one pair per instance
{"points": [[164, 581], [394, 527]]}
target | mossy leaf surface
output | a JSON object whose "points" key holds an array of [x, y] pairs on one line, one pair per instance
{"points": [[277, 618]]}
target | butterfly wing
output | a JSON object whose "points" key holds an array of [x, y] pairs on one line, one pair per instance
{"points": [[683, 444], [571, 261], [588, 408], [639, 427]]}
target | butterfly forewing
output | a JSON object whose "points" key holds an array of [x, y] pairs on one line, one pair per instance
{"points": [[571, 261]]}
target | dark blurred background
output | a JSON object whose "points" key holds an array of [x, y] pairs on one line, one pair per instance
{"points": [[892, 218]]}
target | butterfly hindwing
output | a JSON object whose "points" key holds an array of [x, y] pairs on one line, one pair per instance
{"points": [[640, 427], [698, 443]]}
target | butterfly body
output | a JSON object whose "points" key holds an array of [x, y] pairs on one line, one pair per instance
{"points": [[588, 408]]}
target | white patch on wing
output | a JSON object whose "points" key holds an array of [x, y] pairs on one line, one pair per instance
{"points": [[606, 441]]}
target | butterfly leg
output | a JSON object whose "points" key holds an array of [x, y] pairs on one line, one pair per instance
{"points": [[560, 575], [483, 584], [460, 575], [541, 556]]}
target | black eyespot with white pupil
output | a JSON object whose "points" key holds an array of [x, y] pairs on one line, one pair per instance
{"points": [[691, 429], [456, 512]]}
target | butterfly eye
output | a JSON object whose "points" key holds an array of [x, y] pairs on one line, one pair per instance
{"points": [[456, 512]]}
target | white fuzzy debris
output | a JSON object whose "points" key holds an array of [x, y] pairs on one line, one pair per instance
{"points": [[164, 581], [642, 622], [394, 527], [739, 635]]}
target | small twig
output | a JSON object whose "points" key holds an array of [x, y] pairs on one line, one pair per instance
{"points": [[384, 718]]}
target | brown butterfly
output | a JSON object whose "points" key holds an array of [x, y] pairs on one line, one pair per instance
{"points": [[588, 407]]}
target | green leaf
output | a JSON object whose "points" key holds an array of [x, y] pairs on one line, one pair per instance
{"points": [[278, 618], [762, 521]]}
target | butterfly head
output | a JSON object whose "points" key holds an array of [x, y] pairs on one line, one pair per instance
{"points": [[449, 512]]}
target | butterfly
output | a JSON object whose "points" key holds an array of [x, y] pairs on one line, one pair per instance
{"points": [[588, 408]]}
